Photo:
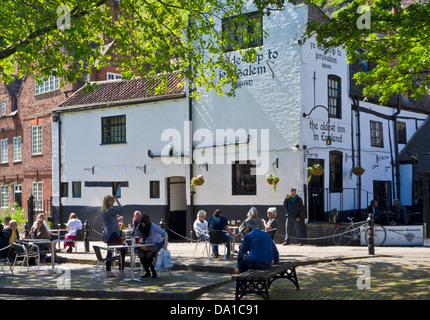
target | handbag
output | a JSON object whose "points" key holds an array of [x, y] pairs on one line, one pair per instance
{"points": [[164, 261]]}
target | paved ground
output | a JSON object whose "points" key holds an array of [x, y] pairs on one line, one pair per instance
{"points": [[334, 273]]}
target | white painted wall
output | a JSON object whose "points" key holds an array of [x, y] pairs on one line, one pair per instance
{"points": [[271, 102], [266, 102], [82, 150]]}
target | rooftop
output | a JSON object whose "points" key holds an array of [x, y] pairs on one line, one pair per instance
{"points": [[120, 92]]}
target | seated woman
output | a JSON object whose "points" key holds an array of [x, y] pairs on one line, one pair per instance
{"points": [[151, 234], [73, 225], [41, 233], [252, 214]]}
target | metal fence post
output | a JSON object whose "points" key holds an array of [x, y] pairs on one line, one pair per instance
{"points": [[30, 212], [371, 235]]}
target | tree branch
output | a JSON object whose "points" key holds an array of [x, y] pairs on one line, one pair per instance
{"points": [[46, 29]]}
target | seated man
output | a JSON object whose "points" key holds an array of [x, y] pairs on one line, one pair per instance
{"points": [[258, 250], [12, 232], [200, 226], [4, 242], [400, 213]]}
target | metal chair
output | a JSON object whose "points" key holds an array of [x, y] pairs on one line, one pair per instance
{"points": [[272, 233], [79, 237], [205, 249], [217, 237], [100, 259], [5, 260], [29, 250]]}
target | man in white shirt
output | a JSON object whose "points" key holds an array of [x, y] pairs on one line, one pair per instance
{"points": [[201, 226]]}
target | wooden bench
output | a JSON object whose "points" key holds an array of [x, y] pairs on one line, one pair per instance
{"points": [[259, 281]]}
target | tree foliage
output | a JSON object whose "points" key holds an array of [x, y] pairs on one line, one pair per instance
{"points": [[68, 38], [391, 37]]}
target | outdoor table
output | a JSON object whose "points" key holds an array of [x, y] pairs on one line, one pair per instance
{"points": [[131, 247], [58, 231], [53, 243]]}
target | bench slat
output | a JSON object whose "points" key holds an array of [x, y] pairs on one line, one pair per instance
{"points": [[259, 281], [263, 274]]}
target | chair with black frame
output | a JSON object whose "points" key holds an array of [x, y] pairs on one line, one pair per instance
{"points": [[217, 237], [205, 249], [79, 237], [100, 259], [272, 233], [4, 252], [29, 250]]}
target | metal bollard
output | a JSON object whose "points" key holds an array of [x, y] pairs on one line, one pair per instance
{"points": [[371, 235], [27, 230], [161, 224], [87, 236]]}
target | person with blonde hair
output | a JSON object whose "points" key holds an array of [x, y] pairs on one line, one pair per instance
{"points": [[73, 225], [111, 233]]}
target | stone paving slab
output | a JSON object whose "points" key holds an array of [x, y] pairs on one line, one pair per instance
{"points": [[74, 280], [197, 277]]}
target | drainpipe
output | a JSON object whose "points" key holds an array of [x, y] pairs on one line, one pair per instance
{"points": [[356, 103], [190, 119], [396, 149], [60, 205]]}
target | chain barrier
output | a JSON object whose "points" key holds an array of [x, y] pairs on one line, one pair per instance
{"points": [[394, 231], [99, 233], [348, 230], [180, 235]]}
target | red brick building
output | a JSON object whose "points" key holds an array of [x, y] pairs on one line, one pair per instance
{"points": [[26, 139]]}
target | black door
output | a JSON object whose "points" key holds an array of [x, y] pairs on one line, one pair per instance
{"points": [[316, 193], [177, 208]]}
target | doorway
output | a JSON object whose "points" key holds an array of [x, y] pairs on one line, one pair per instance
{"points": [[176, 208], [316, 193], [382, 194], [17, 194]]}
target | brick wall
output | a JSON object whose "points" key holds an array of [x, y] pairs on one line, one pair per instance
{"points": [[33, 109]]}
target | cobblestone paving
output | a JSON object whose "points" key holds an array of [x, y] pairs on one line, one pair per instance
{"points": [[395, 273], [391, 278]]}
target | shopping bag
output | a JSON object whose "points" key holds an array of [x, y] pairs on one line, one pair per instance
{"points": [[164, 261]]}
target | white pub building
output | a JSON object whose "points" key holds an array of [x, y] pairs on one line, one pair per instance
{"points": [[296, 106]]}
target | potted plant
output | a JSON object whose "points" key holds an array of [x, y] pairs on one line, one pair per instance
{"points": [[315, 170], [357, 170], [272, 180], [197, 181]]}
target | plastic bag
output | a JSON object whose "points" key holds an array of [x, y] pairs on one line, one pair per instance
{"points": [[164, 261]]}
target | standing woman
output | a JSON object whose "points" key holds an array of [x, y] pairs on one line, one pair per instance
{"points": [[111, 233], [151, 234]]}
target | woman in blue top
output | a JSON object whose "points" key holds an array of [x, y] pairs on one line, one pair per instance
{"points": [[111, 233], [150, 233]]}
